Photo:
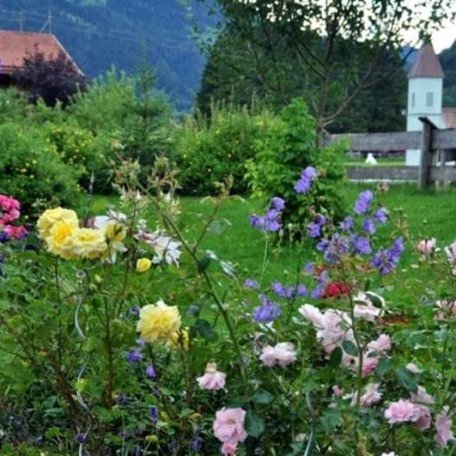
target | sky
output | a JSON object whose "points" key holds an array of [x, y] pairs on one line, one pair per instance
{"points": [[444, 38]]}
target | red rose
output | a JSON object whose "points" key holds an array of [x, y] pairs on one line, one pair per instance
{"points": [[336, 289]]}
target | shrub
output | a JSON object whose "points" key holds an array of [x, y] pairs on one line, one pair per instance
{"points": [[31, 169], [130, 114], [90, 153], [280, 155], [208, 151]]}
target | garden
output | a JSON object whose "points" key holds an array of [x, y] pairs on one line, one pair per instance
{"points": [[195, 285]]}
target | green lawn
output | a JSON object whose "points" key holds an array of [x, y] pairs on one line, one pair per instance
{"points": [[427, 214]]}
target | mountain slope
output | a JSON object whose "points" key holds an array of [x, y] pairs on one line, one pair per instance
{"points": [[102, 33]]}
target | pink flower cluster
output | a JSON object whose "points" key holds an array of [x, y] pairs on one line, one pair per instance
{"points": [[9, 209], [374, 351], [282, 354], [427, 246], [451, 254], [333, 326], [228, 427], [213, 379], [416, 410], [9, 212]]}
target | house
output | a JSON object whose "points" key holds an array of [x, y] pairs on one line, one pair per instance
{"points": [[14, 46], [425, 92]]}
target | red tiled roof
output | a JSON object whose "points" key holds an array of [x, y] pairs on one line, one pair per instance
{"points": [[427, 64], [14, 46]]}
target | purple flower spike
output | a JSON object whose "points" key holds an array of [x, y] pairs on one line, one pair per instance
{"points": [[306, 179], [150, 371], [250, 283], [361, 245], [133, 356], [267, 312], [278, 204], [153, 414], [347, 223], [369, 226], [364, 202], [381, 215]]}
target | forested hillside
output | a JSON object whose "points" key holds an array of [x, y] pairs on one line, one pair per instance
{"points": [[101, 33]]}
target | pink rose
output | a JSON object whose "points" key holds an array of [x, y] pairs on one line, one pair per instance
{"points": [[427, 246], [401, 411], [15, 232], [229, 449], [422, 397], [381, 345], [312, 314], [368, 313], [370, 363], [332, 326], [337, 391], [424, 418], [443, 425], [212, 379], [371, 395], [282, 354], [228, 426]]}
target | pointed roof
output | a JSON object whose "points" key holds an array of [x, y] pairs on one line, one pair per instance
{"points": [[427, 64], [14, 46]]}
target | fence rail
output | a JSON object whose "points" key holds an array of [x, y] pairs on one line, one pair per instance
{"points": [[431, 141]]}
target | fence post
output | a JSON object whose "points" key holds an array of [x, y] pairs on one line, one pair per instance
{"points": [[426, 152]]}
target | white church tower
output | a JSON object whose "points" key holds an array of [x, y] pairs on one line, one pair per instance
{"points": [[425, 90]]}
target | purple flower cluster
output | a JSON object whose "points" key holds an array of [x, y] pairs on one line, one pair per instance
{"points": [[271, 220], [369, 226], [385, 260], [334, 249], [251, 283], [361, 245], [134, 356], [364, 202], [267, 312], [153, 414], [315, 227], [289, 292], [381, 215], [306, 179], [347, 223], [322, 282]]}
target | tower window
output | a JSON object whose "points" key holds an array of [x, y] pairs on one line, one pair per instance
{"points": [[413, 100], [429, 99]]}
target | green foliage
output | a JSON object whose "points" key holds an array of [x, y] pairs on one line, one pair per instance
{"points": [[207, 152], [31, 168], [282, 153], [130, 115], [90, 153]]}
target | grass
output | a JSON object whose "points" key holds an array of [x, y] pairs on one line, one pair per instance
{"points": [[427, 214]]}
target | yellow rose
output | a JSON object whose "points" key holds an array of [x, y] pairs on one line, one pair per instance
{"points": [[143, 265], [114, 233], [159, 322], [59, 239], [88, 243], [51, 216]]}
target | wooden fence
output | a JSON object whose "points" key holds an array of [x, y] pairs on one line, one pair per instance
{"points": [[432, 142]]}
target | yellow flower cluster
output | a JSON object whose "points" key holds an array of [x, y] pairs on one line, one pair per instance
{"points": [[159, 323], [59, 228]]}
